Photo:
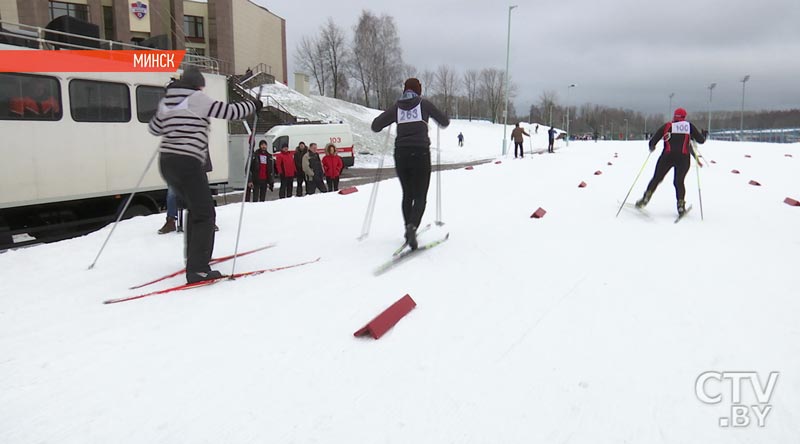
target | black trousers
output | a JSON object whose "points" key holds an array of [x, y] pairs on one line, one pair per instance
{"points": [[333, 183], [315, 183], [187, 177], [550, 146], [286, 187], [301, 177], [665, 162], [413, 167], [259, 191], [518, 146]]}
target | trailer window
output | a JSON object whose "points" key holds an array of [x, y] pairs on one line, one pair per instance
{"points": [[29, 97], [278, 143], [93, 101], [147, 98]]}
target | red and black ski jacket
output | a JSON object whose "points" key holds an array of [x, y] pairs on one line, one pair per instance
{"points": [[677, 136]]}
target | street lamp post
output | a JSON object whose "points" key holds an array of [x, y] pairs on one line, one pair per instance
{"points": [[710, 92], [508, 58], [572, 85], [741, 119], [669, 111]]}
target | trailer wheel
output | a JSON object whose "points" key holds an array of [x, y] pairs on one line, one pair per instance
{"points": [[137, 210]]}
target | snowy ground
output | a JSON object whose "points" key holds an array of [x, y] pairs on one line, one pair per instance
{"points": [[578, 327]]}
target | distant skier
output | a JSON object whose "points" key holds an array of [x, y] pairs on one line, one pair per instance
{"points": [[182, 121], [517, 134], [677, 136], [551, 138], [412, 154], [460, 139]]}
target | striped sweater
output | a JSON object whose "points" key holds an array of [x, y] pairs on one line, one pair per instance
{"points": [[183, 120]]}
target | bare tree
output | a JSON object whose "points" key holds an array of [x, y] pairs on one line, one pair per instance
{"points": [[332, 42], [547, 103], [310, 56], [388, 63], [471, 87], [363, 53], [490, 89], [448, 85]]}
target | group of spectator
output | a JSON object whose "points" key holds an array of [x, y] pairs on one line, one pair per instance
{"points": [[304, 165]]}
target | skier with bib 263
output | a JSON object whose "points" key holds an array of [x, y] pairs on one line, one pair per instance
{"points": [[412, 154], [677, 136]]}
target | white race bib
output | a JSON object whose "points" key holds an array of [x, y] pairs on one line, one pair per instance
{"points": [[409, 115], [681, 128], [262, 158]]}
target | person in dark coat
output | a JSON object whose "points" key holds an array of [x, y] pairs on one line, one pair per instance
{"points": [[182, 121], [332, 165], [261, 167], [551, 138], [412, 154], [677, 136], [312, 168], [299, 152], [284, 165]]}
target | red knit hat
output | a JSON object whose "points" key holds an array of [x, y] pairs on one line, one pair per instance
{"points": [[680, 114], [413, 84]]}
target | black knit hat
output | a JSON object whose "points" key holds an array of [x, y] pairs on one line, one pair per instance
{"points": [[193, 78], [413, 84]]}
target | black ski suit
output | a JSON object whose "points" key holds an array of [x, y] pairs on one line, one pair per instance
{"points": [[677, 137], [412, 154]]}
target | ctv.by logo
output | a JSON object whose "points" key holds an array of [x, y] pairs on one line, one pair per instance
{"points": [[710, 386]]}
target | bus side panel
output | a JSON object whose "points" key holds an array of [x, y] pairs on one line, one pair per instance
{"points": [[18, 167]]}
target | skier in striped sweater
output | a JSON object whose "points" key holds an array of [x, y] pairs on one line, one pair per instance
{"points": [[182, 121]]}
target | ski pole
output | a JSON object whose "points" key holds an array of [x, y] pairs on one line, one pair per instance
{"points": [[438, 178], [699, 193], [250, 151], [373, 197], [634, 183], [125, 207]]}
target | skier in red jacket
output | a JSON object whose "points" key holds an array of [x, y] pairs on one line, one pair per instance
{"points": [[284, 163]]}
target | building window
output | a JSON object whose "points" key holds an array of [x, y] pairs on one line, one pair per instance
{"points": [[29, 97], [80, 12], [108, 22], [92, 101], [193, 28], [196, 51], [147, 98]]}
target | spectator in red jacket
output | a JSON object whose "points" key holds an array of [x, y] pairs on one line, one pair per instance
{"points": [[284, 163], [333, 165]]}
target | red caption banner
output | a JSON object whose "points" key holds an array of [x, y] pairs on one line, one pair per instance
{"points": [[90, 61]]}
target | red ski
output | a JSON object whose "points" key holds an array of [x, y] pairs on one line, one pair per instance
{"points": [[211, 262], [209, 282]]}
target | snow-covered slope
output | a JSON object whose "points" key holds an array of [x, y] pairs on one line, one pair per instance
{"points": [[578, 327]]}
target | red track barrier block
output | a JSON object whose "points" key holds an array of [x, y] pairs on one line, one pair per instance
{"points": [[754, 183], [792, 202], [598, 172], [735, 171], [615, 155], [713, 161], [348, 190], [538, 214], [609, 164], [787, 155], [388, 318], [582, 185], [747, 156], [470, 168]]}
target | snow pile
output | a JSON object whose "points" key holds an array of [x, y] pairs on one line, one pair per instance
{"points": [[578, 327]]}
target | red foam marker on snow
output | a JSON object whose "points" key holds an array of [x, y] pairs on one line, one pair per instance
{"points": [[498, 162], [747, 156], [753, 182], [388, 318], [615, 155], [582, 185], [538, 214], [792, 202], [735, 171], [348, 190], [609, 164], [469, 168], [713, 161], [598, 172], [787, 155]]}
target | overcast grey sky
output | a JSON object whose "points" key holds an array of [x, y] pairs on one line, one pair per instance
{"points": [[626, 53]]}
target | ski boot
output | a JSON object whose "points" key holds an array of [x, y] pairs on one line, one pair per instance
{"points": [[641, 203], [411, 236], [169, 226], [681, 207], [200, 276]]}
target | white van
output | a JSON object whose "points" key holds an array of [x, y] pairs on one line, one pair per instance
{"points": [[322, 134]]}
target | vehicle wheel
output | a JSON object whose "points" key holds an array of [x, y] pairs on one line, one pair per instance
{"points": [[137, 210]]}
